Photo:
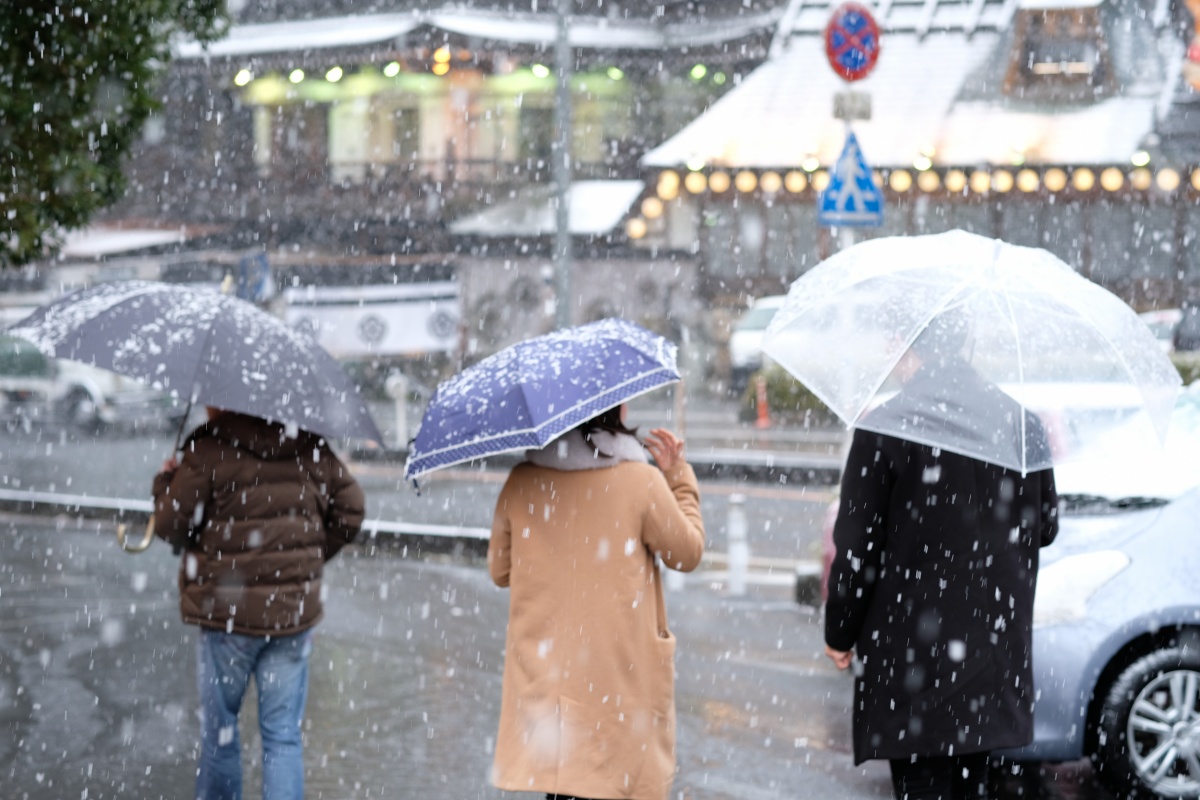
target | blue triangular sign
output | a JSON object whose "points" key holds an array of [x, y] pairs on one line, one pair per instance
{"points": [[851, 198]]}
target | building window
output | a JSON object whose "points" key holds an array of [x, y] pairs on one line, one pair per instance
{"points": [[406, 134], [1059, 55], [1022, 223], [262, 139], [1191, 244], [349, 132], [1113, 233], [536, 136]]}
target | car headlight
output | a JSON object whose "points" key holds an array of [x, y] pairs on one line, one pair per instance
{"points": [[1064, 587]]}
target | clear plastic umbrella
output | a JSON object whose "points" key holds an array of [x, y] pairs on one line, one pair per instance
{"points": [[969, 316]]}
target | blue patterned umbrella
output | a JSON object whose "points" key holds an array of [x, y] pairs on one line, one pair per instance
{"points": [[531, 393]]}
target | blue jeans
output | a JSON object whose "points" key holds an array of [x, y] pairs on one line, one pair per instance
{"points": [[225, 662]]}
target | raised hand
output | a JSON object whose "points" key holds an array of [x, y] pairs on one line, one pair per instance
{"points": [[666, 447]]}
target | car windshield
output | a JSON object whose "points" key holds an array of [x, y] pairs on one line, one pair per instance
{"points": [[1151, 476], [1162, 323], [1081, 504], [20, 359], [1162, 329], [756, 319]]}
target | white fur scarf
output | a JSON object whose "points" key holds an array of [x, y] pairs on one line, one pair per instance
{"points": [[570, 452]]}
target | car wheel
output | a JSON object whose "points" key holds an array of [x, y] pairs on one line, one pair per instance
{"points": [[1150, 727], [82, 413]]}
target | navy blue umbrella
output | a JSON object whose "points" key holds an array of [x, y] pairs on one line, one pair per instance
{"points": [[531, 393], [203, 347]]}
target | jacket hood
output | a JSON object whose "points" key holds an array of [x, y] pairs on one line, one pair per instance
{"points": [[266, 440], [570, 452]]}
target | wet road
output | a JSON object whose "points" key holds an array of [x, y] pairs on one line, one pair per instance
{"points": [[97, 696]]}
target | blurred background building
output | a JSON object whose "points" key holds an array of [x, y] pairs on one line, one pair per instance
{"points": [[326, 146]]}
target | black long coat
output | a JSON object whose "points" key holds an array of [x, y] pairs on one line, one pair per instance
{"points": [[932, 585]]}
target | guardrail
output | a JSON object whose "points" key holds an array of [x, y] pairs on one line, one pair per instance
{"points": [[81, 503], [732, 569], [78, 502]]}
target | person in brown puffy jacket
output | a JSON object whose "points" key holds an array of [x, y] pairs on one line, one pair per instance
{"points": [[257, 511]]}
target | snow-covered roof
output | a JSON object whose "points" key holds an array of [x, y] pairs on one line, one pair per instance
{"points": [[1105, 133], [936, 92], [782, 113], [534, 29], [596, 207], [99, 241], [595, 32], [300, 35]]}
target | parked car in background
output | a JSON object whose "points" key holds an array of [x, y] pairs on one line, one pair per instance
{"points": [[1187, 332], [745, 342], [1116, 635], [1116, 645], [34, 388], [1162, 323]]}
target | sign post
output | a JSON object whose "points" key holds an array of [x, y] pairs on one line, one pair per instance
{"points": [[852, 46], [851, 199], [852, 41]]}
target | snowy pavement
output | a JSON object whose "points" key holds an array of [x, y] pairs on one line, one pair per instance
{"points": [[97, 681], [97, 696]]}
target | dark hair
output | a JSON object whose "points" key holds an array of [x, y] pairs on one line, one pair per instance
{"points": [[609, 421]]}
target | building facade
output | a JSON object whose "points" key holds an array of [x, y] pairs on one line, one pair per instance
{"points": [[348, 142], [1066, 126]]}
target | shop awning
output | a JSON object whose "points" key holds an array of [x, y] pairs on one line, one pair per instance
{"points": [[101, 241], [595, 32], [301, 35], [533, 29], [596, 208]]}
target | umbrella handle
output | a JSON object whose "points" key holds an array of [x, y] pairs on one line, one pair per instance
{"points": [[147, 538]]}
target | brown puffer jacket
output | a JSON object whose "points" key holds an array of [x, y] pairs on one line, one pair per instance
{"points": [[258, 514]]}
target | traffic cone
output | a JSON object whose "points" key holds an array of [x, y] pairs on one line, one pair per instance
{"points": [[764, 412]]}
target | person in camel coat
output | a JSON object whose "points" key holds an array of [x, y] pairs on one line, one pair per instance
{"points": [[588, 703]]}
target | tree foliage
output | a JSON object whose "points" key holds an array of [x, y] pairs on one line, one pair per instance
{"points": [[77, 79]]}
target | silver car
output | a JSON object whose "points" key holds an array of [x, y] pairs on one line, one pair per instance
{"points": [[1117, 622], [34, 388]]}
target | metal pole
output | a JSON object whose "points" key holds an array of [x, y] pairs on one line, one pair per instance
{"points": [[396, 387], [563, 61], [739, 548]]}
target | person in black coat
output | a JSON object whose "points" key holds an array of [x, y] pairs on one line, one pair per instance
{"points": [[933, 580]]}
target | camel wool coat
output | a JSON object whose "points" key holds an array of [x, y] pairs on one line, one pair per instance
{"points": [[588, 703]]}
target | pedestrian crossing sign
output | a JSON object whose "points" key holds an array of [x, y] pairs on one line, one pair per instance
{"points": [[851, 198]]}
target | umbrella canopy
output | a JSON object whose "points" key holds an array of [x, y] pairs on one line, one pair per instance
{"points": [[534, 391], [983, 318], [203, 347]]}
